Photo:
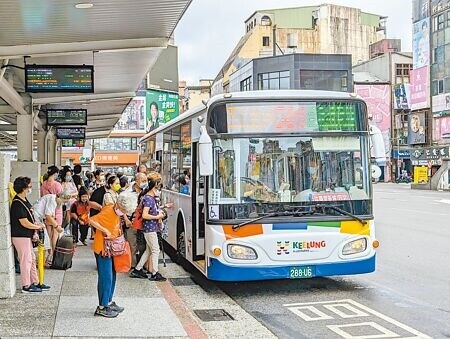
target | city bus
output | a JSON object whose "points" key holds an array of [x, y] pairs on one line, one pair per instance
{"points": [[269, 185]]}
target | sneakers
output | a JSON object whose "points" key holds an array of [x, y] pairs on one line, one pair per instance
{"points": [[157, 277], [43, 287], [106, 312], [31, 289], [138, 274], [84, 242], [116, 308]]}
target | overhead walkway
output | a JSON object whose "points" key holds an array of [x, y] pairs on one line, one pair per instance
{"points": [[121, 39]]}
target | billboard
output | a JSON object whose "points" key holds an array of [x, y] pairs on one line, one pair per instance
{"points": [[421, 43], [378, 100], [441, 128], [441, 105], [439, 6], [416, 128], [402, 95], [420, 9], [133, 117], [161, 107], [420, 88]]}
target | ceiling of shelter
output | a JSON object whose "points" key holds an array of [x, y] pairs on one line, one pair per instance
{"points": [[121, 38]]}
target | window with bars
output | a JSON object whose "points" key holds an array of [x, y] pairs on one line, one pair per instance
{"points": [[246, 84], [274, 80], [402, 73]]}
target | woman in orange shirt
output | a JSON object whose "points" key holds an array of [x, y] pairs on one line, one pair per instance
{"points": [[109, 224]]}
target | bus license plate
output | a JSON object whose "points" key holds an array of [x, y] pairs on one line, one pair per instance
{"points": [[301, 272]]}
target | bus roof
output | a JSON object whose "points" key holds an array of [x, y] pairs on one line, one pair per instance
{"points": [[251, 95]]}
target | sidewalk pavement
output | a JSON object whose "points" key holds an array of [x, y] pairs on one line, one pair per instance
{"points": [[152, 309]]}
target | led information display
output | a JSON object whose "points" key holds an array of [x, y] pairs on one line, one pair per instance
{"points": [[73, 143], [59, 117], [70, 133], [59, 78], [291, 117]]}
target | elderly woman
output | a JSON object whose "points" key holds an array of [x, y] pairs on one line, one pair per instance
{"points": [[108, 225], [23, 229]]}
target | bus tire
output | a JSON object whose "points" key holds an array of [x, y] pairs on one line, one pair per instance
{"points": [[181, 241]]}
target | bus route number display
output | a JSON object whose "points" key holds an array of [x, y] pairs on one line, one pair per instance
{"points": [[291, 117], [70, 133], [58, 117], [59, 79]]}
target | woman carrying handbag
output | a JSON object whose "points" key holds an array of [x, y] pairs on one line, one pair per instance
{"points": [[108, 226]]}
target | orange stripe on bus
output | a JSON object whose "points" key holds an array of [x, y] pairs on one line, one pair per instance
{"points": [[244, 231]]}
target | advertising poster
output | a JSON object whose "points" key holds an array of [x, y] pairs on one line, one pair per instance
{"points": [[402, 95], [441, 105], [421, 43], [420, 88], [161, 107], [441, 128], [133, 117], [416, 128], [377, 98]]}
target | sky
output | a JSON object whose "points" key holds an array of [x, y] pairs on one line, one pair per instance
{"points": [[210, 29]]}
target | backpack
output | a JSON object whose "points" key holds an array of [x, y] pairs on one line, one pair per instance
{"points": [[138, 222]]}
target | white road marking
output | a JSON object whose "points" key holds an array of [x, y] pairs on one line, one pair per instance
{"points": [[354, 312], [312, 309], [362, 308], [444, 201], [385, 333]]}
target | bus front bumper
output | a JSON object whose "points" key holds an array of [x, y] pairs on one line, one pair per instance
{"points": [[221, 272]]}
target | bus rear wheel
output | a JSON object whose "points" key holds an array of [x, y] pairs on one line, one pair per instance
{"points": [[181, 248]]}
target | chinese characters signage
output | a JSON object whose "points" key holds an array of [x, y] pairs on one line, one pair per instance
{"points": [[161, 108], [420, 88], [432, 153]]}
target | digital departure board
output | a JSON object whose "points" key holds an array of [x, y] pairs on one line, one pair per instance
{"points": [[70, 133], [59, 79], [272, 117], [73, 143], [71, 117]]}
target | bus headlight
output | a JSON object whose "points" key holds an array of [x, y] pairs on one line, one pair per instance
{"points": [[355, 246], [241, 252]]}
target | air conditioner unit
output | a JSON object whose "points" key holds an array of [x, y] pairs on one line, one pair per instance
{"points": [[292, 40]]}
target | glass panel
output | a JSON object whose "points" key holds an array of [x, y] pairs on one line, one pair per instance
{"points": [[274, 83], [285, 83], [274, 75], [285, 74], [289, 169]]}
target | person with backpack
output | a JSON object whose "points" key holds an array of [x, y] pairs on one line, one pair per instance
{"points": [[79, 215], [152, 218]]}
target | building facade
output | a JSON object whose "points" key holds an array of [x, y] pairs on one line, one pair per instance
{"points": [[324, 29], [295, 71]]}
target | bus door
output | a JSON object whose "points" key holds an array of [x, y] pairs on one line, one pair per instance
{"points": [[198, 186]]}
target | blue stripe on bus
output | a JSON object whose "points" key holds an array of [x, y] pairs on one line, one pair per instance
{"points": [[291, 226], [221, 272]]}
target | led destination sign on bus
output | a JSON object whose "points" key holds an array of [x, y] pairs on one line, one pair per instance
{"points": [[291, 117], [59, 78], [71, 117]]}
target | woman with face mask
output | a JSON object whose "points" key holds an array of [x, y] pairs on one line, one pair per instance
{"points": [[108, 225], [51, 185], [152, 218], [79, 215], [112, 190], [23, 228], [70, 188]]}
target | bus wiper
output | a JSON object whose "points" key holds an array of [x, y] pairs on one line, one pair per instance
{"points": [[275, 214], [340, 210]]}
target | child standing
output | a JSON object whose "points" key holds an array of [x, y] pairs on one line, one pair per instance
{"points": [[79, 215]]}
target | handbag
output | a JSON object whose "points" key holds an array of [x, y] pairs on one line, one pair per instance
{"points": [[114, 247], [37, 236], [138, 221], [122, 263]]}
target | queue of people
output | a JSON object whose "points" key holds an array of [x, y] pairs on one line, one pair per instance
{"points": [[105, 203]]}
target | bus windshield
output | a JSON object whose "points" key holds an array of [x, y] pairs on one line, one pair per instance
{"points": [[289, 169]]}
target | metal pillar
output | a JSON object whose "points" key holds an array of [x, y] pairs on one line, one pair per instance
{"points": [[41, 147], [51, 150], [25, 137]]}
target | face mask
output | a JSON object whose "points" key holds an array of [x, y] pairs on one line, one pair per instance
{"points": [[29, 191], [118, 212], [158, 193], [143, 186], [69, 178], [116, 187]]}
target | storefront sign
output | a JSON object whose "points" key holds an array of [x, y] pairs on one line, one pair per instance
{"points": [[416, 128], [161, 107], [402, 154], [420, 88], [439, 6], [420, 174], [432, 153]]}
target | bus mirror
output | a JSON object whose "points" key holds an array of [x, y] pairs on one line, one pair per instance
{"points": [[205, 153]]}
